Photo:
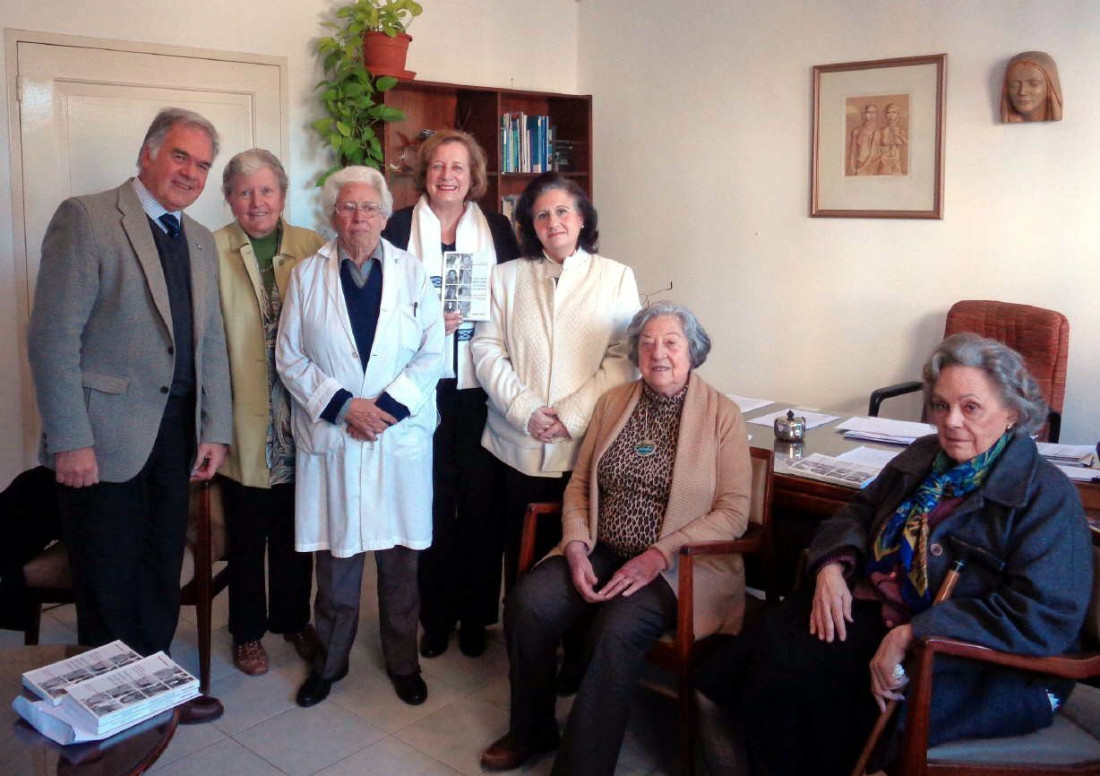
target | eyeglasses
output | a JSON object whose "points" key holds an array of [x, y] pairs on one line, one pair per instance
{"points": [[347, 209]]}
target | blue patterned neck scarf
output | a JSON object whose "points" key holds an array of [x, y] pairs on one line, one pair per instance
{"points": [[902, 541]]}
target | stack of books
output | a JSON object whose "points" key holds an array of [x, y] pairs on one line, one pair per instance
{"points": [[1067, 455], [526, 143], [98, 693]]}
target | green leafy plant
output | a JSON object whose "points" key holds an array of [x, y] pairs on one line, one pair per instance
{"points": [[350, 95], [391, 17]]}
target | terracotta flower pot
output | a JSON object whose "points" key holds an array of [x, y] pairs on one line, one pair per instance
{"points": [[384, 55]]}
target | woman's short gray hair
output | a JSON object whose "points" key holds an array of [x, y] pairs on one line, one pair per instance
{"points": [[697, 337], [1001, 364], [356, 174], [253, 160]]}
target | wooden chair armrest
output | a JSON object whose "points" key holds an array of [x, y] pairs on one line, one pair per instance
{"points": [[915, 743], [751, 541], [1076, 666], [535, 511]]}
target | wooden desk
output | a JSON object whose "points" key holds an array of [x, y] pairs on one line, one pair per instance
{"points": [[24, 751], [799, 504]]}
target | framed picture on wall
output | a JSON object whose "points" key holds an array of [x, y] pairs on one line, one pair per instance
{"points": [[878, 138]]}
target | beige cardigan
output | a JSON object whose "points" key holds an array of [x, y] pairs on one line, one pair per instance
{"points": [[708, 501], [241, 292]]}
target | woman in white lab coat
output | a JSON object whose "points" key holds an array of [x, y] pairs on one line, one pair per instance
{"points": [[360, 350]]}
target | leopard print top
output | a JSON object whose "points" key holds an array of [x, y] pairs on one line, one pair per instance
{"points": [[633, 488]]}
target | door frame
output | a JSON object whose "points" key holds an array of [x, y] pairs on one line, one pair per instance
{"points": [[12, 39]]}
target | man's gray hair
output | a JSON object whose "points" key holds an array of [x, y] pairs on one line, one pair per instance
{"points": [[253, 160], [169, 118], [356, 174], [1001, 364], [696, 335]]}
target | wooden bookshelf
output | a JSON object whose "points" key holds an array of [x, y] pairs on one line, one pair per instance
{"points": [[478, 110]]}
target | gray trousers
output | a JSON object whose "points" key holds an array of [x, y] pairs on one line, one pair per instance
{"points": [[336, 609], [539, 610]]}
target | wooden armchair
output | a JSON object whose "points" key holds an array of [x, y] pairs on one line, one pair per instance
{"points": [[1040, 336], [49, 578], [678, 650], [1070, 746]]}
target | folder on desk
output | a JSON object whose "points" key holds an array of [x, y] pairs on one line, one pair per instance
{"points": [[894, 432]]}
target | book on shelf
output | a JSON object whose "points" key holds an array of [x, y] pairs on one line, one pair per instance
{"points": [[829, 469], [525, 143], [1067, 455], [100, 705]]}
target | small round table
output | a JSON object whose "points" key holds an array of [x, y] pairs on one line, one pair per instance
{"points": [[24, 750]]}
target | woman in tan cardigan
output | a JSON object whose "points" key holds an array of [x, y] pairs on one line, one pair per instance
{"points": [[665, 462], [256, 253]]}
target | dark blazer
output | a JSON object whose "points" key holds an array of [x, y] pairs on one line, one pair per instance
{"points": [[1027, 514], [100, 340], [399, 227]]}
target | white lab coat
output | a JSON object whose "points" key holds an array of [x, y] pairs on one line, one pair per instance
{"points": [[353, 496]]}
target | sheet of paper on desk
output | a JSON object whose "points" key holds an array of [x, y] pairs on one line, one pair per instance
{"points": [[868, 456], [1068, 455], [1080, 474], [897, 432], [748, 405], [813, 419]]}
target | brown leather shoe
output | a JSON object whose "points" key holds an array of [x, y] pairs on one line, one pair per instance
{"points": [[250, 657], [306, 643], [507, 753]]}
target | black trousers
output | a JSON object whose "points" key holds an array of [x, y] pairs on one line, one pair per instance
{"points": [[460, 573], [259, 522], [126, 541], [802, 705], [543, 606], [519, 491]]}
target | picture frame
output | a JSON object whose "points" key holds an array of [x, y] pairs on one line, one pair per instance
{"points": [[878, 138]]}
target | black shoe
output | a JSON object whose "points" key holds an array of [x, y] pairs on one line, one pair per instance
{"points": [[410, 688], [434, 643], [471, 640], [315, 689], [506, 754]]}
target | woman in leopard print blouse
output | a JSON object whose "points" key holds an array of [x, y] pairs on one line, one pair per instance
{"points": [[665, 462]]}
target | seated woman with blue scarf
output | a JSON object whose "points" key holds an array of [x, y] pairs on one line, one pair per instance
{"points": [[806, 686]]}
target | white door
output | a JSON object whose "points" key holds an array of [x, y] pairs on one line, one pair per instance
{"points": [[83, 112]]}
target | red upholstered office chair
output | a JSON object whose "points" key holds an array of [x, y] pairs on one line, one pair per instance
{"points": [[1040, 336], [678, 651]]}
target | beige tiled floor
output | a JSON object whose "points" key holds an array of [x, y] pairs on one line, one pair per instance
{"points": [[362, 729]]}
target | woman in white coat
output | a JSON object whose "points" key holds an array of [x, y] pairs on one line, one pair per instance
{"points": [[360, 349]]}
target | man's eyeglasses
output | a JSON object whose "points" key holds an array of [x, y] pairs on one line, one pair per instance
{"points": [[347, 209]]}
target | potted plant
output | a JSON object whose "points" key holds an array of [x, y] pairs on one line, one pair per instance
{"points": [[383, 25], [350, 92]]}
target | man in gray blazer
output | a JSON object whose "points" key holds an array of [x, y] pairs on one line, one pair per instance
{"points": [[130, 371]]}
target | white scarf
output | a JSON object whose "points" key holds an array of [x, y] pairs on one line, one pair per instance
{"points": [[425, 241]]}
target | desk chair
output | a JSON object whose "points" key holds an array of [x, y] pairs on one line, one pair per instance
{"points": [[678, 650], [49, 578], [1070, 745], [1040, 336]]}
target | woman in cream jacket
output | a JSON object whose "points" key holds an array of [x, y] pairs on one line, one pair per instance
{"points": [[555, 341]]}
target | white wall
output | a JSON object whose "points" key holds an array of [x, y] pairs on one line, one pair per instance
{"points": [[702, 149], [482, 42]]}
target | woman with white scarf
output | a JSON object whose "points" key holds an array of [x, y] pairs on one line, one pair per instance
{"points": [[460, 573]]}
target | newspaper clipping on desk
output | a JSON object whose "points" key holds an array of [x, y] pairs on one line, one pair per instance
{"points": [[465, 286], [829, 469], [101, 705]]}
